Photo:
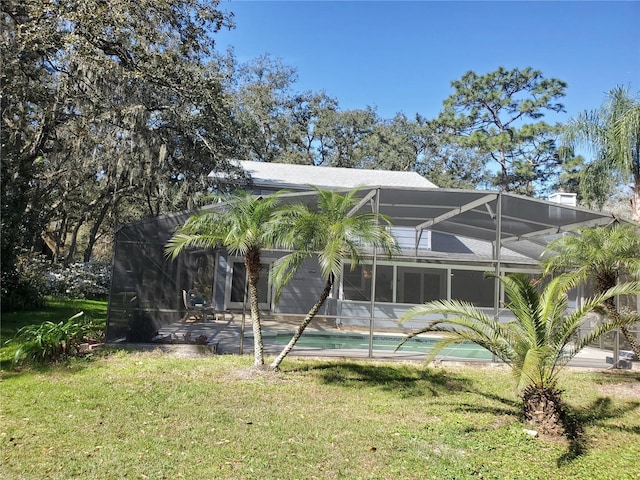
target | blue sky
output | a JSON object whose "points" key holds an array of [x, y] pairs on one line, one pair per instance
{"points": [[402, 56]]}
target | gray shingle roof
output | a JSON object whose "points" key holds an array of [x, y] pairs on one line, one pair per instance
{"points": [[287, 175]]}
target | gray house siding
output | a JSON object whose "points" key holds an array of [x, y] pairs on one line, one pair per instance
{"points": [[303, 291]]}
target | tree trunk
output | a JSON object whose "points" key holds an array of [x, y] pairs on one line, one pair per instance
{"points": [[635, 199], [543, 409], [93, 234], [252, 264], [74, 243], [632, 340], [59, 236], [305, 322]]}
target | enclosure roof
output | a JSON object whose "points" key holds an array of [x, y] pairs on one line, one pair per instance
{"points": [[526, 224], [284, 175]]}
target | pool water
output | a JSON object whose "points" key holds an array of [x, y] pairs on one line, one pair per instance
{"points": [[356, 341]]}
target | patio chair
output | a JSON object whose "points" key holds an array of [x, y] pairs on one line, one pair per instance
{"points": [[196, 307], [194, 310]]}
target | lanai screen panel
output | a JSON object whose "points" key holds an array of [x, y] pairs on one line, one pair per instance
{"points": [[474, 213], [146, 287]]}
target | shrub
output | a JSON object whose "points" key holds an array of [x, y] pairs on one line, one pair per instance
{"points": [[51, 341], [78, 280], [18, 294]]}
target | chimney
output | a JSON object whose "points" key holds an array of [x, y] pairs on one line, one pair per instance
{"points": [[564, 198]]}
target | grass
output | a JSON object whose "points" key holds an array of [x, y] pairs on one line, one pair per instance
{"points": [[153, 416]]}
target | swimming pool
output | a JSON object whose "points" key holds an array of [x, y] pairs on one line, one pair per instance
{"points": [[384, 342]]}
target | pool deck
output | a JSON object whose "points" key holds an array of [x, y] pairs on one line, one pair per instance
{"points": [[223, 337]]}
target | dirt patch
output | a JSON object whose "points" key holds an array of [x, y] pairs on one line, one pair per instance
{"points": [[253, 373], [620, 384], [621, 390]]}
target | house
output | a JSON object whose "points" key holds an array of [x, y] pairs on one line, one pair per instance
{"points": [[449, 239]]}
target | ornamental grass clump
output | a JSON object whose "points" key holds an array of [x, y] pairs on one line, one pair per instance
{"points": [[51, 342]]}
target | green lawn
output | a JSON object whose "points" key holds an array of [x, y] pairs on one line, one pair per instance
{"points": [[153, 416], [150, 415]]}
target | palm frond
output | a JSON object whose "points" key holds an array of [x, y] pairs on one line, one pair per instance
{"points": [[624, 128], [534, 367], [523, 302], [537, 344], [585, 129], [243, 224], [284, 269], [563, 337], [180, 241], [612, 134], [467, 323], [457, 330], [622, 321], [554, 301], [593, 302], [446, 307], [437, 347]]}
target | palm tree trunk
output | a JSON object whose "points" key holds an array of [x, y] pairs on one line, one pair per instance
{"points": [[543, 409], [275, 365], [635, 198], [258, 347], [632, 340], [252, 264]]}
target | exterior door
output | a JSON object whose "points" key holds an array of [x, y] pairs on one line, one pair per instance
{"points": [[237, 286]]}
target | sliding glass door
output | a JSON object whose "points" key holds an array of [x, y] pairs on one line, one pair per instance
{"points": [[237, 286]]}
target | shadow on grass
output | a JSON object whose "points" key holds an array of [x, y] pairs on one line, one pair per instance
{"points": [[576, 419], [509, 406], [618, 377], [407, 381]]}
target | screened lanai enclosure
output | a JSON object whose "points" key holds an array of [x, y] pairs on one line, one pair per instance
{"points": [[449, 239]]}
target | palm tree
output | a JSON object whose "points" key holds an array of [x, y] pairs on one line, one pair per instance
{"points": [[604, 255], [243, 228], [536, 344], [333, 232], [613, 132]]}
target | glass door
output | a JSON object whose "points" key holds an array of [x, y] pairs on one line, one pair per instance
{"points": [[236, 285], [419, 285]]}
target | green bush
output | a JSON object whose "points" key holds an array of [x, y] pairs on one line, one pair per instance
{"points": [[19, 295], [37, 277], [49, 341]]}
